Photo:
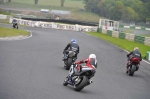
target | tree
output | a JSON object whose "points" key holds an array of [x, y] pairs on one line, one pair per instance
{"points": [[36, 2], [117, 10], [62, 3], [129, 15], [145, 1], [9, 0], [126, 10]]}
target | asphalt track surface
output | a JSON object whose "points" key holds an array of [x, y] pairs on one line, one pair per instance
{"points": [[141, 32], [33, 68]]}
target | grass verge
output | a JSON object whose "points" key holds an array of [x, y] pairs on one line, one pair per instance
{"points": [[4, 21], [76, 13], [122, 43], [145, 35], [67, 3], [7, 32]]}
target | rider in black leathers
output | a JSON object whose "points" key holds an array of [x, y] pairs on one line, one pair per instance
{"points": [[14, 22], [73, 46], [132, 54]]}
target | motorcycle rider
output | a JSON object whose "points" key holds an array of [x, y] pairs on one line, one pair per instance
{"points": [[73, 46], [14, 22], [91, 62], [135, 53]]}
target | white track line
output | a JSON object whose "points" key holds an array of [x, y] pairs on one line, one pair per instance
{"points": [[115, 46]]}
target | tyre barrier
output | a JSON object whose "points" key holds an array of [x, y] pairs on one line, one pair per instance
{"points": [[56, 25], [127, 36]]}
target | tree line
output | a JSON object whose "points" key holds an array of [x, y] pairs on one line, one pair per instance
{"points": [[125, 10]]}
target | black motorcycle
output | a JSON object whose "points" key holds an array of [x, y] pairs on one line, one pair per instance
{"points": [[70, 58], [80, 78], [15, 25]]}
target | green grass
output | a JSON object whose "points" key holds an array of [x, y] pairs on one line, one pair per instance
{"points": [[68, 3], [122, 43], [4, 21], [85, 16], [76, 13], [2, 12], [37, 7], [8, 32], [145, 35]]}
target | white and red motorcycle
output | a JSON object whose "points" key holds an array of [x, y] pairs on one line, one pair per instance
{"points": [[81, 76]]}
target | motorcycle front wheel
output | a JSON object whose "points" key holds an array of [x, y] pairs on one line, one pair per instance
{"points": [[65, 83], [81, 84]]}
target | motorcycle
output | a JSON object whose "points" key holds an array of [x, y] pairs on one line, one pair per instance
{"points": [[80, 78], [15, 25], [69, 60], [133, 66]]}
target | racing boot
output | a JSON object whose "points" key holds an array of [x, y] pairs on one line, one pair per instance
{"points": [[70, 80]]}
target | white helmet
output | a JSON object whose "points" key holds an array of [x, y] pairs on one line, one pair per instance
{"points": [[92, 56]]}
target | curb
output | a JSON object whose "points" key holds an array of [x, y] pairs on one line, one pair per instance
{"points": [[115, 46]]}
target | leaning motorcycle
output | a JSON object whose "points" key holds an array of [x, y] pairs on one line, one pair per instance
{"points": [[80, 78], [69, 60], [133, 66], [15, 25]]}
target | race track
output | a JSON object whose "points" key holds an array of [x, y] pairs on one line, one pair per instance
{"points": [[33, 68]]}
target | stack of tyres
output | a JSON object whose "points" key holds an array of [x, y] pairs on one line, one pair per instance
{"points": [[139, 39], [99, 30], [109, 32], [122, 35]]}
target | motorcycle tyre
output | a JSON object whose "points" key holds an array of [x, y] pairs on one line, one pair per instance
{"points": [[82, 84], [132, 70]]}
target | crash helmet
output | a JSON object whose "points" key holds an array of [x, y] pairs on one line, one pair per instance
{"points": [[92, 56], [136, 48], [74, 41], [93, 60]]}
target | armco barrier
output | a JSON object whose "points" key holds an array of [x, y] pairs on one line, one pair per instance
{"points": [[56, 25]]}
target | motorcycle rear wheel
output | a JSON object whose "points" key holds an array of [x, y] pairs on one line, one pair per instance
{"points": [[69, 62], [132, 70]]}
